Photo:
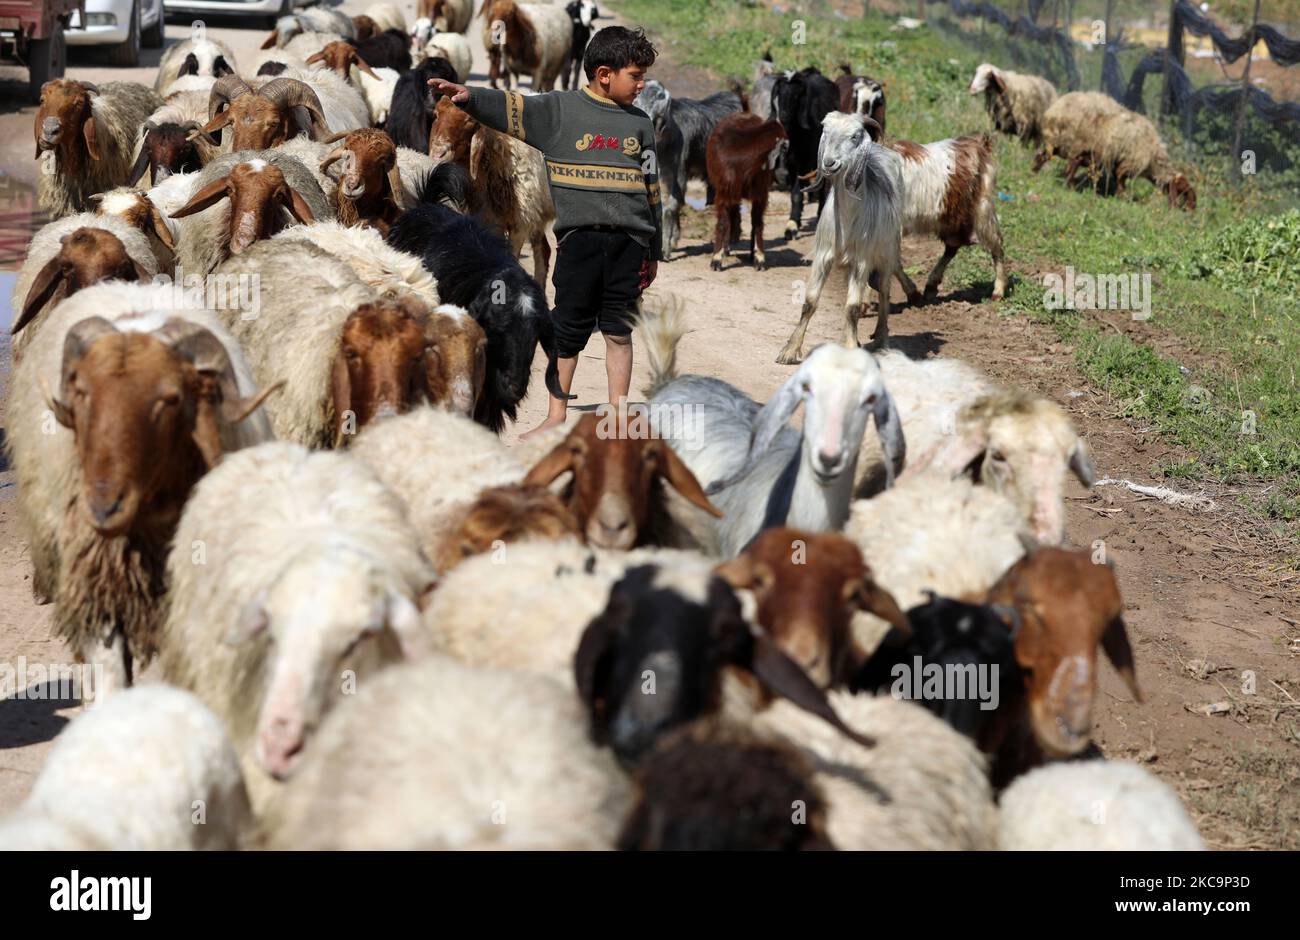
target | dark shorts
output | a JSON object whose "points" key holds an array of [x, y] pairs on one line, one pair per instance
{"points": [[597, 280]]}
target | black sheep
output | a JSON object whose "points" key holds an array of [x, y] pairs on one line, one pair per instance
{"points": [[800, 103], [475, 270], [389, 49], [410, 115]]}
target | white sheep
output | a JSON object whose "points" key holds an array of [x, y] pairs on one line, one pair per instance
{"points": [[452, 16], [197, 57], [759, 471], [452, 46], [310, 21], [391, 273], [310, 153], [151, 769], [377, 87], [957, 420], [437, 462], [439, 755], [860, 225], [100, 558], [294, 575], [1016, 103], [386, 16], [1094, 805], [55, 269], [150, 212], [344, 106]]}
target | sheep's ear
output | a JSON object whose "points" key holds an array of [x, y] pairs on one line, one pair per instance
{"points": [[318, 56], [889, 428], [90, 131], [395, 185], [298, 207], [771, 419], [160, 227], [1081, 462], [62, 413], [1115, 643], [47, 282], [955, 455], [995, 80], [871, 597], [549, 468], [205, 198], [361, 64], [270, 40], [672, 469]]}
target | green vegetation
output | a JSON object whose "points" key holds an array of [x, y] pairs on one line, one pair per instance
{"points": [[1223, 278]]}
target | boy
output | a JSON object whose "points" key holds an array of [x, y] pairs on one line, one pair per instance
{"points": [[604, 180]]}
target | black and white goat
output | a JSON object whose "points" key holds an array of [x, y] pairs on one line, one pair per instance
{"points": [[800, 101], [682, 129], [582, 13], [475, 270]]}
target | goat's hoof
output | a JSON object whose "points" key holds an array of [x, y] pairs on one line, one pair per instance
{"points": [[789, 357], [715, 265], [999, 294], [760, 264], [40, 598], [915, 298], [930, 293]]}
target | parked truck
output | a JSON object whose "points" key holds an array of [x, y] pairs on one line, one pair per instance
{"points": [[31, 34]]}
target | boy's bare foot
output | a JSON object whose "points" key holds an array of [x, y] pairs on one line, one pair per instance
{"points": [[550, 422]]}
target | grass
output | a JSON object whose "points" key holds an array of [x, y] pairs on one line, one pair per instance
{"points": [[1223, 282]]}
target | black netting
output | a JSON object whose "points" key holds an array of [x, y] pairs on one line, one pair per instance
{"points": [[1282, 50], [1021, 26]]}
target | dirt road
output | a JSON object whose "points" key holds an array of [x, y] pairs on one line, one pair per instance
{"points": [[1210, 618]]}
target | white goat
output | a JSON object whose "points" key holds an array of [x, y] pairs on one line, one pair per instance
{"points": [[758, 471], [860, 225]]}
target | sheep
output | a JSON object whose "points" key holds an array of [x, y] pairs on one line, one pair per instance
{"points": [[862, 229], [164, 147], [439, 755], [87, 130], [437, 462], [1070, 128], [259, 186], [801, 101], [1131, 148], [892, 776], [391, 273], [71, 253], [194, 56], [448, 16], [347, 355], [1094, 806], [582, 13], [319, 20], [617, 489], [369, 192], [266, 117], [133, 774], [455, 48], [742, 153], [388, 49], [343, 106], [509, 187], [861, 95], [525, 38], [384, 16], [476, 270], [1016, 103], [376, 84], [950, 192], [1065, 605], [742, 803], [117, 407], [761, 472], [957, 421], [309, 580], [501, 515], [807, 585], [682, 130], [148, 212], [410, 113]]}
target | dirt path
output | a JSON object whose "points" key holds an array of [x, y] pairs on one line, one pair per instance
{"points": [[1199, 604]]}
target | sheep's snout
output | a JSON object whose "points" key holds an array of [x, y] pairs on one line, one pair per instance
{"points": [[51, 132], [1063, 716], [281, 730], [105, 499], [611, 525]]}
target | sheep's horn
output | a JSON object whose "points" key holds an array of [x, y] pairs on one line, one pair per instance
{"points": [[336, 154], [90, 87], [335, 138], [224, 90], [292, 93]]}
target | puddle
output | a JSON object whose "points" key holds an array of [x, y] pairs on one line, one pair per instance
{"points": [[19, 218]]}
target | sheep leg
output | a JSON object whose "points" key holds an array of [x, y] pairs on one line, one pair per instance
{"points": [[796, 207], [936, 276], [734, 230], [541, 257], [913, 295], [721, 234], [823, 255], [673, 212], [853, 305], [757, 206], [110, 660], [494, 67], [989, 235]]}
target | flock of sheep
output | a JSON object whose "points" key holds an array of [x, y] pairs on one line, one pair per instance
{"points": [[376, 626]]}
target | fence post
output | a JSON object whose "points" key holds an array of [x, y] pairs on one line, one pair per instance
{"points": [[1240, 122], [1105, 49], [1173, 53]]}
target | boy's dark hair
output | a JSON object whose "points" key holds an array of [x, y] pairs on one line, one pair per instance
{"points": [[618, 47]]}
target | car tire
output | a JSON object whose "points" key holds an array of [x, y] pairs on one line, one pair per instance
{"points": [[127, 54], [152, 38], [46, 59]]}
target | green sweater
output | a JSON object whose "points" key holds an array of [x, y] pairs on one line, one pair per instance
{"points": [[599, 156]]}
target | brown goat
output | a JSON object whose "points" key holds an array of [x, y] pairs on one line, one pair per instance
{"points": [[166, 149], [616, 492], [488, 157], [257, 190], [1066, 606], [861, 95], [341, 56], [365, 28], [741, 157], [394, 355], [370, 187], [264, 118], [808, 586], [87, 255], [521, 52], [504, 514]]}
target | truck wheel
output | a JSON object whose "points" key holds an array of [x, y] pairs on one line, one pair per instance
{"points": [[47, 59], [152, 38], [127, 54]]}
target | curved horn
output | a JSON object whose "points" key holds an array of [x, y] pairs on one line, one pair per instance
{"points": [[337, 153], [292, 93], [335, 138], [224, 90], [76, 341], [91, 87]]}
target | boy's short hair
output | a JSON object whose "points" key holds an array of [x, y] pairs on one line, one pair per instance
{"points": [[618, 47]]}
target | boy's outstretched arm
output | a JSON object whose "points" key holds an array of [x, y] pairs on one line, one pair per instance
{"points": [[536, 124]]}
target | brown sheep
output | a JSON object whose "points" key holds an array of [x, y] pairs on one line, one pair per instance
{"points": [[808, 586], [741, 158], [256, 190], [504, 514], [616, 490], [341, 56], [534, 37], [263, 118], [370, 187], [1066, 605]]}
